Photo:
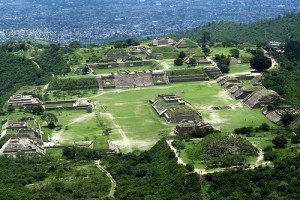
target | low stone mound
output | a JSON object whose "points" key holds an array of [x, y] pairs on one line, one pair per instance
{"points": [[132, 79], [221, 108], [213, 72], [186, 78], [174, 109], [260, 98]]}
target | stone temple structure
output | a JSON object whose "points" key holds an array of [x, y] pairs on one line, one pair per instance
{"points": [[20, 100], [174, 109], [185, 127], [254, 96], [22, 145], [132, 79]]}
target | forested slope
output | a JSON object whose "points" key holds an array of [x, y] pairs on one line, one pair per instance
{"points": [[154, 174], [17, 71], [278, 29]]}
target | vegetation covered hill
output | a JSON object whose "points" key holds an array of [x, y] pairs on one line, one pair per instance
{"points": [[223, 150], [278, 29], [278, 182], [17, 71], [48, 178], [154, 174]]}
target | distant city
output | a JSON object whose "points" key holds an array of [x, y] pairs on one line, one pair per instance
{"points": [[101, 21]]}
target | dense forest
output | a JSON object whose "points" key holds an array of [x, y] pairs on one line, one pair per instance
{"points": [[51, 59], [49, 178], [73, 84], [17, 71], [278, 182], [280, 29], [285, 81], [153, 174]]}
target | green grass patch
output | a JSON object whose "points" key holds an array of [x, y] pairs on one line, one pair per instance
{"points": [[54, 152], [226, 51], [239, 68]]}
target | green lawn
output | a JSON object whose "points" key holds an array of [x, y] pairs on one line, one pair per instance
{"points": [[226, 51], [54, 152], [83, 54], [74, 75], [135, 125], [131, 115], [239, 68], [261, 139]]}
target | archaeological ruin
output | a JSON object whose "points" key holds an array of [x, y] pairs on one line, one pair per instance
{"points": [[174, 109]]}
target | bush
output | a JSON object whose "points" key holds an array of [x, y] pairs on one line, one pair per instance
{"points": [[270, 155], [51, 125], [295, 139], [264, 127], [190, 167], [280, 141], [178, 62], [178, 144], [243, 130], [268, 148], [73, 84]]}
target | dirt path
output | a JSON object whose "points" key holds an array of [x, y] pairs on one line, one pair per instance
{"points": [[36, 64], [165, 65], [274, 63], [258, 162], [179, 160], [112, 180], [260, 158], [57, 136], [212, 61], [125, 142]]}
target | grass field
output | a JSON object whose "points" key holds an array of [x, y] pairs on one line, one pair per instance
{"points": [[239, 68], [226, 51], [135, 125], [83, 54]]}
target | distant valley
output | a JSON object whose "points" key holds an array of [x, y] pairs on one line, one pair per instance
{"points": [[95, 21]]}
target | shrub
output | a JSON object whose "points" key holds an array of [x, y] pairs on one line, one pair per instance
{"points": [[280, 141], [264, 127], [243, 130]]}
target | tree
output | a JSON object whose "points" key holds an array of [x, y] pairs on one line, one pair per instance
{"points": [[280, 141], [75, 44], [205, 50], [85, 70], [206, 36], [295, 139], [182, 54], [189, 167], [49, 117], [264, 127], [107, 131], [178, 62], [192, 61], [224, 68], [235, 53], [51, 125], [260, 63], [37, 110], [10, 109], [287, 118]]}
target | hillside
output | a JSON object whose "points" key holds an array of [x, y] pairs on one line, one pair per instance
{"points": [[278, 29], [17, 71], [222, 150]]}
